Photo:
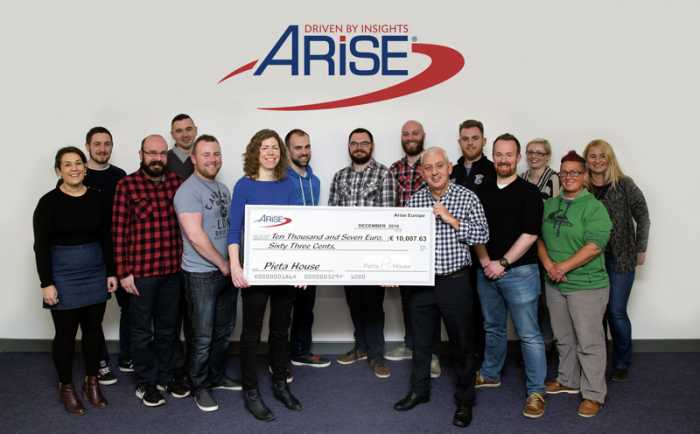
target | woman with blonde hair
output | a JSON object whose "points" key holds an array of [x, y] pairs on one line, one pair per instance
{"points": [[538, 153], [628, 242]]}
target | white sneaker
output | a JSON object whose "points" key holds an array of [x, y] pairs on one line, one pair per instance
{"points": [[399, 353], [435, 370]]}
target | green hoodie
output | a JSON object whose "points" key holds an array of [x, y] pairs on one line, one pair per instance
{"points": [[568, 225]]}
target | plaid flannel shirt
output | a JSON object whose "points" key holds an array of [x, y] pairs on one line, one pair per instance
{"points": [[374, 186], [452, 245], [145, 231], [408, 180]]}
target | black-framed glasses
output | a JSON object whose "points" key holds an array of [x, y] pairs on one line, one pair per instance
{"points": [[536, 153], [571, 174]]}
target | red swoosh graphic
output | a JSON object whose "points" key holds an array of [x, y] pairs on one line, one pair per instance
{"points": [[286, 220], [445, 63]]}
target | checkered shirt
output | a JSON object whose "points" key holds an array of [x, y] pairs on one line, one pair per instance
{"points": [[374, 186], [408, 180], [145, 230], [452, 246]]}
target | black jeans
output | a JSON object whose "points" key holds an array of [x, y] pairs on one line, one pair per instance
{"points": [[302, 321], [211, 301], [124, 348], [254, 304], [152, 325], [452, 299], [184, 326], [66, 323], [366, 305], [408, 327]]}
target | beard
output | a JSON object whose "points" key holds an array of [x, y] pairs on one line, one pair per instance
{"points": [[412, 151], [99, 158], [504, 170], [300, 163], [360, 159], [154, 168]]}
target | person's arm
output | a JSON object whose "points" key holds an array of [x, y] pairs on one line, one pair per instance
{"points": [[236, 216], [333, 199], [555, 275], [388, 190], [191, 224], [42, 251], [121, 225], [473, 229], [493, 268], [640, 213], [581, 257], [105, 215]]}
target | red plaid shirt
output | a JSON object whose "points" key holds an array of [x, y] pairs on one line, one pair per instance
{"points": [[145, 231], [408, 180]]}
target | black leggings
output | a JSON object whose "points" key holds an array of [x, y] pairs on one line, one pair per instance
{"points": [[66, 324]]}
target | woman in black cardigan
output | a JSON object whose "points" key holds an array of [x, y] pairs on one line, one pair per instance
{"points": [[628, 242]]}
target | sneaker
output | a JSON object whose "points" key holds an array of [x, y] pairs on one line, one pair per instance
{"points": [[105, 376], [204, 401], [399, 353], [289, 378], [312, 360], [149, 395], [435, 370], [589, 408], [226, 384], [554, 388], [126, 366], [380, 370], [352, 356], [619, 375], [482, 382], [534, 406], [176, 389]]}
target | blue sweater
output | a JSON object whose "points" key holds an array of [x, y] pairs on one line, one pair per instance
{"points": [[309, 186], [248, 191]]}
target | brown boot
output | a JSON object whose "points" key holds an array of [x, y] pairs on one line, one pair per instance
{"points": [[66, 394], [92, 391]]}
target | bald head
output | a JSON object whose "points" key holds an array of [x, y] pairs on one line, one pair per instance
{"points": [[154, 140], [412, 138], [154, 153]]}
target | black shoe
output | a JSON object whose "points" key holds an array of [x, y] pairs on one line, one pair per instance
{"points": [[126, 366], [204, 401], [280, 390], [255, 405], [619, 375], [149, 395], [463, 416], [105, 376], [227, 383], [411, 400], [177, 389]]}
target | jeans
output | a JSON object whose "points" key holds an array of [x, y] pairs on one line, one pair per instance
{"points": [[152, 321], [616, 315], [302, 321], [452, 300], [66, 323], [366, 305], [518, 292], [211, 302], [184, 326], [254, 304], [124, 347]]}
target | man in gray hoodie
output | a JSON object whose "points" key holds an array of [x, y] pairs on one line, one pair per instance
{"points": [[300, 172]]}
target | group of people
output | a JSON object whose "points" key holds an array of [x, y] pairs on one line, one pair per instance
{"points": [[556, 250]]}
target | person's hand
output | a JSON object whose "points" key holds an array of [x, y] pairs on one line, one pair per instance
{"points": [[128, 285], [50, 295], [112, 284], [641, 257], [237, 277], [557, 273], [225, 269], [494, 270], [441, 211]]}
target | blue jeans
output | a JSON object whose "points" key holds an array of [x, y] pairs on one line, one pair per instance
{"points": [[518, 292], [616, 315], [211, 303]]}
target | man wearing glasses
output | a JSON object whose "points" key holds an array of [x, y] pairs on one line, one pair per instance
{"points": [[147, 254], [364, 183]]}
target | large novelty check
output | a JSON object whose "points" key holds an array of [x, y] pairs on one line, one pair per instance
{"points": [[324, 245]]}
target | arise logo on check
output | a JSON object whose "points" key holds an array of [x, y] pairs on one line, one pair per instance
{"points": [[273, 221]]}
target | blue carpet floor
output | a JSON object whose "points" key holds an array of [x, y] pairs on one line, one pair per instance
{"points": [[661, 396]]}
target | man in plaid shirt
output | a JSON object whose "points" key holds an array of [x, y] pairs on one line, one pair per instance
{"points": [[459, 222], [407, 174], [364, 183], [147, 254]]}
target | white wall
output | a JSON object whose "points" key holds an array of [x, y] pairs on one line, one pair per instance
{"points": [[625, 71]]}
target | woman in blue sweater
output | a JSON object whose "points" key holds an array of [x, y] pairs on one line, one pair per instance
{"points": [[264, 183]]}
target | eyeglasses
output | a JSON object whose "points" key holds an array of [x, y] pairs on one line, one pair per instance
{"points": [[571, 174], [364, 144], [156, 153], [536, 153]]}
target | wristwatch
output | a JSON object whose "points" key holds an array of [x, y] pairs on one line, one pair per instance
{"points": [[504, 262]]}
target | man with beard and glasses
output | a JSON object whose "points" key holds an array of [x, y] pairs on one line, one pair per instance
{"points": [[202, 205], [103, 176], [509, 280], [147, 254], [184, 131], [364, 183], [309, 186], [407, 174]]}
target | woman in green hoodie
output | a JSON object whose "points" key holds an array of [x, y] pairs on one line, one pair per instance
{"points": [[575, 230]]}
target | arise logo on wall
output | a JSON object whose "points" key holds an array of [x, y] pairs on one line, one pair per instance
{"points": [[361, 50]]}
